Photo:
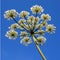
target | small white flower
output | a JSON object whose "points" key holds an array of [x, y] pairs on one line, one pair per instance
{"points": [[24, 14], [37, 19], [50, 28], [32, 18], [10, 14], [21, 21], [41, 40], [14, 26], [46, 17], [37, 9], [23, 34], [11, 34], [26, 41]]}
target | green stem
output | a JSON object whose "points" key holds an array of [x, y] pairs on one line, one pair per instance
{"points": [[38, 48]]}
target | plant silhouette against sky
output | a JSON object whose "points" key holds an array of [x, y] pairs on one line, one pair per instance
{"points": [[32, 27]]}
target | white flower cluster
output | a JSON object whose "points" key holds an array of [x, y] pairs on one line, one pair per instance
{"points": [[29, 25], [24, 14], [37, 9], [41, 40], [23, 34], [50, 28], [46, 17], [11, 34], [10, 14], [26, 41], [14, 26]]}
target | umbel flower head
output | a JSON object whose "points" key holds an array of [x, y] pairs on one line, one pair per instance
{"points": [[14, 26], [37, 9], [26, 41], [10, 14], [24, 14], [41, 40], [50, 28], [46, 17], [30, 25], [11, 34]]}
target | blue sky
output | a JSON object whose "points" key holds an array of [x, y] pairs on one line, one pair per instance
{"points": [[13, 50]]}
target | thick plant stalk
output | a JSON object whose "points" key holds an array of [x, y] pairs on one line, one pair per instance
{"points": [[38, 48]]}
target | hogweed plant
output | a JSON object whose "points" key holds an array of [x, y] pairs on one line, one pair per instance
{"points": [[32, 27]]}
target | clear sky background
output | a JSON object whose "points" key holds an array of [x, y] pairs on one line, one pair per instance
{"points": [[13, 50]]}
